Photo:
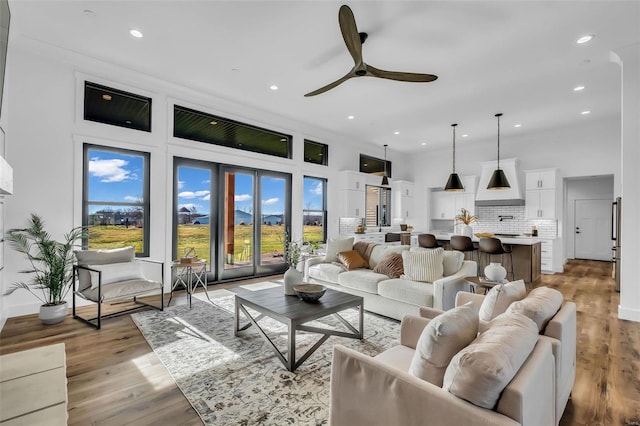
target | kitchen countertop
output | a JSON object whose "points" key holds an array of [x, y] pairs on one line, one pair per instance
{"points": [[523, 241]]}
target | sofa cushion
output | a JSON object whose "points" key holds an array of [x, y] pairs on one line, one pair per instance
{"points": [[441, 339], [116, 272], [500, 297], [352, 260], [361, 279], [425, 266], [398, 356], [451, 262], [123, 289], [390, 265], [381, 250], [540, 305], [412, 292], [101, 257], [481, 371], [326, 272], [335, 246]]}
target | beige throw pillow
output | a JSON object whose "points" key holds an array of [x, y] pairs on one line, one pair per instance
{"points": [[452, 262], [335, 246], [390, 265], [540, 305], [425, 266], [500, 297], [480, 372], [441, 339], [352, 260]]}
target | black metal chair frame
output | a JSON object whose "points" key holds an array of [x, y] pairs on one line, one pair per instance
{"points": [[97, 320]]}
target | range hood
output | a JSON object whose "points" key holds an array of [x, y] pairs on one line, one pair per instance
{"points": [[513, 196]]}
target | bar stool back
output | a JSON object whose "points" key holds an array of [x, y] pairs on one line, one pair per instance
{"points": [[428, 241], [493, 247]]}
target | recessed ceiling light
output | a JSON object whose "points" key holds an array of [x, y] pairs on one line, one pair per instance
{"points": [[128, 121], [578, 88], [351, 117], [273, 87], [517, 125], [465, 135], [106, 97], [585, 112], [396, 132], [136, 33], [213, 122], [365, 164], [283, 139], [584, 39], [423, 144]]}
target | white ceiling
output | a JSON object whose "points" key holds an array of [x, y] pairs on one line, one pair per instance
{"points": [[515, 57]]}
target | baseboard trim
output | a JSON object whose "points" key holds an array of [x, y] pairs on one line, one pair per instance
{"points": [[628, 314]]}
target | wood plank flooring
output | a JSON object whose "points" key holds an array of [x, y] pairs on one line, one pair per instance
{"points": [[115, 378]]}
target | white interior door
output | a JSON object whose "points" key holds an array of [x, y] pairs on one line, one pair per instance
{"points": [[593, 229]]}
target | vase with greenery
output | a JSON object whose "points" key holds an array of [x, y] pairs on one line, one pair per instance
{"points": [[466, 219], [292, 276], [50, 264]]}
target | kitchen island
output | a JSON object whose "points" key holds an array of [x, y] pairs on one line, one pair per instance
{"points": [[526, 252]]}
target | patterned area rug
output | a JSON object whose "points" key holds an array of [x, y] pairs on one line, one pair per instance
{"points": [[239, 380]]}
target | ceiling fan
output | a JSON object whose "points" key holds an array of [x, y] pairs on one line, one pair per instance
{"points": [[354, 41]]}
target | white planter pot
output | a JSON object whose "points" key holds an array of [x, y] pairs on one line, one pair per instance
{"points": [[53, 314], [291, 277], [495, 272]]}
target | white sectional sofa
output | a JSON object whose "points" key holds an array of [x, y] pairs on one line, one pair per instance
{"points": [[394, 297]]}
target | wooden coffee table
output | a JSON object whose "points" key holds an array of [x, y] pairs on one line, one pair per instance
{"points": [[294, 313], [483, 283]]}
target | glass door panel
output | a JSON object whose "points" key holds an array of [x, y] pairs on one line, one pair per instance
{"points": [[272, 219], [238, 223], [194, 212]]}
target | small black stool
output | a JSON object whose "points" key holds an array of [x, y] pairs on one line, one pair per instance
{"points": [[494, 247]]}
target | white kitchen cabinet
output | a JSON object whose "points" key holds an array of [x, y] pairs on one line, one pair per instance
{"points": [[550, 255], [402, 200], [464, 201], [542, 194], [541, 179], [353, 181], [369, 238], [442, 205], [352, 203]]}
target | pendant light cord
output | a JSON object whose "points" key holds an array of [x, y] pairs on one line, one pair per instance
{"points": [[454, 147], [385, 160], [498, 116]]}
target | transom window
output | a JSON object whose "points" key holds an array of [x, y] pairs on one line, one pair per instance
{"points": [[316, 152], [115, 198]]}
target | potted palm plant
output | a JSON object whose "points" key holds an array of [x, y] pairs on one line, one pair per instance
{"points": [[50, 266]]}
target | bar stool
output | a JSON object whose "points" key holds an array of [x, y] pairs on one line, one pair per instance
{"points": [[464, 244], [428, 241], [494, 247]]}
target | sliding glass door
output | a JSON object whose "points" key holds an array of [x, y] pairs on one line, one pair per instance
{"points": [[234, 217]]}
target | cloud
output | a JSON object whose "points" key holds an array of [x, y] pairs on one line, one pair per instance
{"points": [[242, 197], [191, 194], [270, 201], [131, 198], [188, 205], [206, 181], [180, 184], [109, 170], [317, 190], [206, 197]]}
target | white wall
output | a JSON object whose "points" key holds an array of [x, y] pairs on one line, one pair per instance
{"points": [[45, 88]]}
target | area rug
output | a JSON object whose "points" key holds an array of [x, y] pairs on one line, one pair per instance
{"points": [[239, 380]]}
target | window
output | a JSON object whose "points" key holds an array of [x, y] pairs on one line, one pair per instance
{"points": [[316, 152], [207, 128], [378, 206], [116, 107], [315, 209], [116, 198], [374, 165]]}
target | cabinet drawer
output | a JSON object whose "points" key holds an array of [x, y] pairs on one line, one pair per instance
{"points": [[546, 265]]}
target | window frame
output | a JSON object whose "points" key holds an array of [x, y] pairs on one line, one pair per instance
{"points": [[364, 157], [325, 152], [146, 183], [324, 206]]}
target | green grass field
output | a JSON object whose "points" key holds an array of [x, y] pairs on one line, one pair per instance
{"points": [[197, 236]]}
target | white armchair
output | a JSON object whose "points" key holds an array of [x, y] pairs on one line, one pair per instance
{"points": [[109, 276]]}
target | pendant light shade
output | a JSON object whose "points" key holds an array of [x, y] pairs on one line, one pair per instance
{"points": [[385, 179], [454, 184], [498, 178]]}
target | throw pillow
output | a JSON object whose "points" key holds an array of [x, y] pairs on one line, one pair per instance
{"points": [[500, 297], [452, 262], [425, 266], [441, 339], [100, 257], [335, 246], [116, 272], [480, 372], [390, 265], [540, 305], [352, 260]]}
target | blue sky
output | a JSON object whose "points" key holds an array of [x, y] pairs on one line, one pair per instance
{"points": [[118, 177]]}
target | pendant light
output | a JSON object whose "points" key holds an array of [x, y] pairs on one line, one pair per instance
{"points": [[454, 184], [498, 178], [385, 180]]}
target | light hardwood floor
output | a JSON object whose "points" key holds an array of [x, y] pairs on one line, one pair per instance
{"points": [[116, 379]]}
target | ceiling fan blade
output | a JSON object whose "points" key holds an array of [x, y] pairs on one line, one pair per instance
{"points": [[350, 33], [400, 76], [330, 86]]}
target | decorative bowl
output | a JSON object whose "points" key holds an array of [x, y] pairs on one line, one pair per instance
{"points": [[309, 292], [528, 234], [484, 234]]}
